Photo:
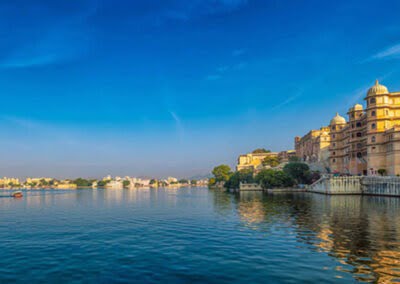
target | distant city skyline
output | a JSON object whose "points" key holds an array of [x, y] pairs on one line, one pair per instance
{"points": [[172, 88]]}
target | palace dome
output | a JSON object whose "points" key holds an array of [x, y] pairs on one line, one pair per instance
{"points": [[377, 89], [338, 120]]}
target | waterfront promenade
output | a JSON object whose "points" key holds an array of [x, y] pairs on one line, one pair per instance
{"points": [[380, 186]]}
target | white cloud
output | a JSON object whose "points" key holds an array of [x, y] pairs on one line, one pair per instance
{"points": [[357, 95], [179, 126], [222, 70], [390, 52], [288, 100], [60, 41]]}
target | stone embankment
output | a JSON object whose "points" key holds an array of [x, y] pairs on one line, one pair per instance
{"points": [[385, 186]]}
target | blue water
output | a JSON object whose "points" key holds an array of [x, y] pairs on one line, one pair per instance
{"points": [[197, 236]]}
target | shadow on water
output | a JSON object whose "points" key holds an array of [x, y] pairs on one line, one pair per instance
{"points": [[361, 232]]}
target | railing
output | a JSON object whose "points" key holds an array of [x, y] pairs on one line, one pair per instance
{"points": [[389, 186], [385, 186], [320, 186], [337, 185]]}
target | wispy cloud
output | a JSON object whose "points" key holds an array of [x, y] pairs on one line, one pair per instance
{"points": [[390, 52], [290, 99], [29, 132], [56, 46], [186, 10], [21, 61], [178, 124], [62, 40], [222, 70], [357, 95]]}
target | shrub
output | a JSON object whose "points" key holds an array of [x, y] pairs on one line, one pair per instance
{"points": [[244, 176], [273, 179], [300, 172]]}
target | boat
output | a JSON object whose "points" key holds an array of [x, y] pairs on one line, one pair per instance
{"points": [[17, 194]]}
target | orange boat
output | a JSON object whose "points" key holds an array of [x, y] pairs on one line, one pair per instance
{"points": [[17, 194]]}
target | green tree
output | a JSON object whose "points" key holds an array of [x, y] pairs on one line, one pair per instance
{"points": [[260, 151], [271, 161], [382, 172], [183, 181], [126, 183], [153, 181], [294, 159], [269, 179], [222, 173], [102, 183], [243, 176], [43, 182], [212, 181], [193, 182], [81, 182], [300, 172]]}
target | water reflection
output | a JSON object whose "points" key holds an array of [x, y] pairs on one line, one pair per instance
{"points": [[166, 231], [362, 233]]}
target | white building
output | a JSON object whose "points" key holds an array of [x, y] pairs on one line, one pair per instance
{"points": [[114, 184]]}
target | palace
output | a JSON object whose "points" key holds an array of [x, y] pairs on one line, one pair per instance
{"points": [[368, 143], [255, 160], [313, 148]]}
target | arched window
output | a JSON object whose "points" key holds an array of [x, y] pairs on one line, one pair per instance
{"points": [[373, 113], [334, 153], [359, 134], [372, 101], [333, 160], [358, 124], [373, 139], [359, 155], [373, 126]]}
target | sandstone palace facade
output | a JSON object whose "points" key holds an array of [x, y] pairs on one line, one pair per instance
{"points": [[368, 142]]}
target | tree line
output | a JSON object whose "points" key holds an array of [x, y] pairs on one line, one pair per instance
{"points": [[293, 174]]}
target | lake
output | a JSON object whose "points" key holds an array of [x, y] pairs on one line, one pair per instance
{"points": [[194, 235]]}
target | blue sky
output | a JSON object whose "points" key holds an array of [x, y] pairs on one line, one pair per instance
{"points": [[174, 87]]}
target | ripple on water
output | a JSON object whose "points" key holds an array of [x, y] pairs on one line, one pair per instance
{"points": [[197, 235]]}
